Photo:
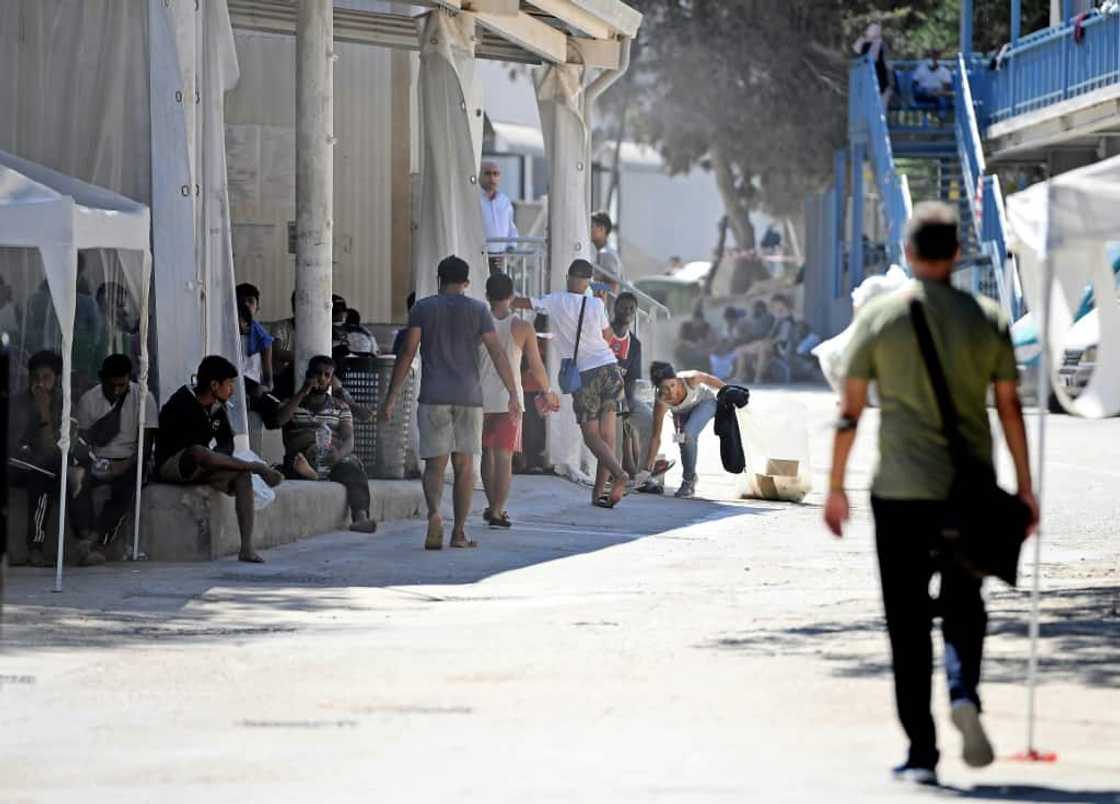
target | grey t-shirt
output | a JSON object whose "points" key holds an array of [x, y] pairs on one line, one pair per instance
{"points": [[451, 328]]}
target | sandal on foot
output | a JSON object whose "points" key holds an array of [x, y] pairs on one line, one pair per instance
{"points": [[603, 501], [501, 521], [462, 542]]}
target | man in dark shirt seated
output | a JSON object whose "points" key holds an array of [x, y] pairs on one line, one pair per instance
{"points": [[319, 440], [196, 445]]}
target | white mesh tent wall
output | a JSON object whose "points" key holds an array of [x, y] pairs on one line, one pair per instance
{"points": [[58, 215]]}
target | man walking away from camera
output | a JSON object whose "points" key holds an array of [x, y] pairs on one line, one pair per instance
{"points": [[915, 472]]}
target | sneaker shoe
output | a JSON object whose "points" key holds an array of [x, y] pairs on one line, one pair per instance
{"points": [[914, 774], [977, 750]]}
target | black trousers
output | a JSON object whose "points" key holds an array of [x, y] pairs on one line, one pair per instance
{"points": [[351, 474], [108, 522], [42, 494], [906, 538]]}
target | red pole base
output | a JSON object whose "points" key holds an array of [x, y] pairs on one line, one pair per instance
{"points": [[1034, 755]]}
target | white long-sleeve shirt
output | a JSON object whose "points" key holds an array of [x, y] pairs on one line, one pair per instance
{"points": [[497, 219]]}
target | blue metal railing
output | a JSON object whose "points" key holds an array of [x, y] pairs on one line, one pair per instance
{"points": [[867, 126], [1049, 66]]}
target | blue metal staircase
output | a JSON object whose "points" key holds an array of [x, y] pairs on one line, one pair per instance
{"points": [[918, 154]]}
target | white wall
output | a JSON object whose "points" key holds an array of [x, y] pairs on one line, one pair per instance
{"points": [[260, 138]]}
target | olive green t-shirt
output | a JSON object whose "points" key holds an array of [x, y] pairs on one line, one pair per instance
{"points": [[973, 340]]}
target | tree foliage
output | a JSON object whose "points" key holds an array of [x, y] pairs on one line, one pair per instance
{"points": [[756, 90]]}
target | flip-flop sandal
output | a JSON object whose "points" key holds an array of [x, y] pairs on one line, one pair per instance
{"points": [[463, 543], [500, 521], [603, 501]]}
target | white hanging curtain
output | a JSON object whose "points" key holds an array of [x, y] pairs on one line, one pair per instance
{"points": [[567, 141], [451, 126], [193, 63]]}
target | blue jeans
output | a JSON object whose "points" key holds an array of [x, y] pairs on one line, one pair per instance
{"points": [[693, 424], [906, 538]]}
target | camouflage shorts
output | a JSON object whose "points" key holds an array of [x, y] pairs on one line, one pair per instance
{"points": [[599, 393]]}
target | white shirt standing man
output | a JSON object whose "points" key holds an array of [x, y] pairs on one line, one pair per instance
{"points": [[595, 403], [497, 210]]}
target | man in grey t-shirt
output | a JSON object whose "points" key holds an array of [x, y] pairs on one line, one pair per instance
{"points": [[447, 328]]}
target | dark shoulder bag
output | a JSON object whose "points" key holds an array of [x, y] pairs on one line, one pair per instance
{"points": [[105, 429], [570, 381], [984, 526]]}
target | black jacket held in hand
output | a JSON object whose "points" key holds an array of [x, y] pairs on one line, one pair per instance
{"points": [[728, 399]]}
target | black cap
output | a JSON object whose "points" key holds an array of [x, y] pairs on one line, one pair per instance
{"points": [[581, 269]]}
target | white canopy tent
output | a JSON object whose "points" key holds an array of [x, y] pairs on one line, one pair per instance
{"points": [[1064, 232], [59, 215]]}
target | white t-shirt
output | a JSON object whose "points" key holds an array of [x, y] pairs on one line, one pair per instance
{"points": [[563, 318], [93, 405], [932, 80]]}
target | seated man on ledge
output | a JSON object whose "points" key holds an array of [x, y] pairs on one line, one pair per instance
{"points": [[196, 445], [319, 440]]}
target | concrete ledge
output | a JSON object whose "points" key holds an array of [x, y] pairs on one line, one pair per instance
{"points": [[195, 523]]}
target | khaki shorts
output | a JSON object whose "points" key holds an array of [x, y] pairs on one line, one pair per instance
{"points": [[188, 473], [447, 429]]}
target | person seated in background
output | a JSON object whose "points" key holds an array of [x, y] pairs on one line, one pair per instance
{"points": [[780, 343], [256, 365], [628, 349], [695, 340], [122, 320], [108, 418], [319, 441], [34, 422], [195, 445], [359, 340], [933, 83]]}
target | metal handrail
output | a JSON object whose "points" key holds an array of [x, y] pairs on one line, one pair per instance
{"points": [[868, 123], [1048, 67]]}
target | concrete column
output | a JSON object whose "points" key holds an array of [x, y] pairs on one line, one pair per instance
{"points": [[314, 179], [1016, 21]]}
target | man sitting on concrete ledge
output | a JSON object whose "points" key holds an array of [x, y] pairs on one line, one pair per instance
{"points": [[319, 440], [196, 445]]}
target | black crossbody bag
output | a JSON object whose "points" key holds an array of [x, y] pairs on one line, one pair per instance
{"points": [[984, 526]]}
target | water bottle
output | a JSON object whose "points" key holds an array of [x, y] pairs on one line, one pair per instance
{"points": [[322, 446]]}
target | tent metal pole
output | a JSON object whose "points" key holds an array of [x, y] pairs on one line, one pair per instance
{"points": [[145, 293], [314, 180], [1043, 413]]}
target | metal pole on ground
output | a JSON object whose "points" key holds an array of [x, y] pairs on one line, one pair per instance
{"points": [[314, 180]]}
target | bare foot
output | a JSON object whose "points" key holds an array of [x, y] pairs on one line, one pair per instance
{"points": [[268, 474], [250, 557], [364, 526], [618, 490], [302, 468], [434, 539], [460, 540]]}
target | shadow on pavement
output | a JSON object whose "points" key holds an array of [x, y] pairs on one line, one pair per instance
{"points": [[133, 603], [1079, 632], [1030, 793]]}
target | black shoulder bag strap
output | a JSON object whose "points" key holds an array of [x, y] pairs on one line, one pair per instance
{"points": [[579, 328], [949, 420]]}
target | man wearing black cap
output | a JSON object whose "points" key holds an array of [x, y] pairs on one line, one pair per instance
{"points": [[448, 328], [601, 383]]}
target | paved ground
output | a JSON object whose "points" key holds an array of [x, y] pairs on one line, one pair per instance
{"points": [[665, 651]]}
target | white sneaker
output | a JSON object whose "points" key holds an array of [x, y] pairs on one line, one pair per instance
{"points": [[912, 774], [977, 751]]}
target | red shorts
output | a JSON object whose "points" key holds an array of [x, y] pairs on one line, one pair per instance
{"points": [[501, 431]]}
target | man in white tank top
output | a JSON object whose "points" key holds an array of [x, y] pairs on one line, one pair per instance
{"points": [[501, 429]]}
